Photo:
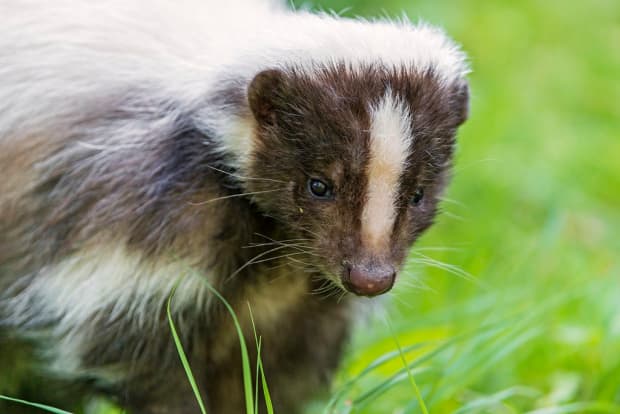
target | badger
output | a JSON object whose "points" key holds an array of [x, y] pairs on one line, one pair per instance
{"points": [[285, 159]]}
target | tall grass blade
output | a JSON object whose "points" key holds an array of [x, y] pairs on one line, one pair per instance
{"points": [[182, 355], [258, 346], [580, 407], [490, 401], [486, 331], [383, 359], [31, 404], [245, 359], [268, 403], [385, 386], [259, 368], [414, 385]]}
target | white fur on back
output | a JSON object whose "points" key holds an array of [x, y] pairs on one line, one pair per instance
{"points": [[104, 284], [58, 55]]}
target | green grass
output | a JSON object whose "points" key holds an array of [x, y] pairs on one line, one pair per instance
{"points": [[533, 215], [182, 355], [39, 407], [414, 384], [251, 394]]}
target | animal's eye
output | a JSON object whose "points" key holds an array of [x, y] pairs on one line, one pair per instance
{"points": [[417, 196], [319, 189]]}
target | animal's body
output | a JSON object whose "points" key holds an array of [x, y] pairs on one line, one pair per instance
{"points": [[279, 156]]}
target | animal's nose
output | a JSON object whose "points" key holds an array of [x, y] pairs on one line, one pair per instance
{"points": [[368, 280]]}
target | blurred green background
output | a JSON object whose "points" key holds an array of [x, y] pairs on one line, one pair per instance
{"points": [[514, 296]]}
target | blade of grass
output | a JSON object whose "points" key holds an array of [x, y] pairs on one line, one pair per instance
{"points": [[383, 359], [481, 335], [31, 404], [245, 359], [489, 352], [487, 331], [181, 352], [579, 407], [492, 400], [386, 386], [268, 403], [259, 368], [482, 352], [258, 346], [414, 385]]}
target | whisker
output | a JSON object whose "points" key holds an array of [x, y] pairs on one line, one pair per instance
{"points": [[326, 294], [450, 268], [416, 284], [462, 166], [292, 245], [301, 249], [308, 265], [445, 266], [278, 266], [344, 293], [329, 293], [452, 215], [310, 231], [277, 257], [438, 249], [281, 243], [246, 178], [327, 290], [278, 241], [451, 201], [296, 246], [234, 196], [326, 284], [252, 260], [400, 301]]}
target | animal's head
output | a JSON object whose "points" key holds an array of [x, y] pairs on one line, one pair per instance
{"points": [[353, 160]]}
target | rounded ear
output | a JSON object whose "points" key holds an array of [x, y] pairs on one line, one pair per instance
{"points": [[264, 92], [460, 102]]}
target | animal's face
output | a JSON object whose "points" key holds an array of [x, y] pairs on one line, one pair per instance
{"points": [[353, 162]]}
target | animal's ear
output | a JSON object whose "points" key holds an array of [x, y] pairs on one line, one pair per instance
{"points": [[265, 95], [460, 102]]}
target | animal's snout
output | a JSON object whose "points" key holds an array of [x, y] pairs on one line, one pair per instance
{"points": [[368, 279]]}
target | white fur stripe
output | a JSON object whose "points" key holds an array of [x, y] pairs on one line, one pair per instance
{"points": [[108, 281], [390, 139]]}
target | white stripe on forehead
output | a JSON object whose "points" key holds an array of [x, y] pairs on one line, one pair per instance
{"points": [[390, 140]]}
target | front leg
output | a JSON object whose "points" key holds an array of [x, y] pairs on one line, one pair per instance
{"points": [[140, 369], [309, 347], [300, 352]]}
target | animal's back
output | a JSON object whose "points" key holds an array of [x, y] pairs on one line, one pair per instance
{"points": [[79, 78]]}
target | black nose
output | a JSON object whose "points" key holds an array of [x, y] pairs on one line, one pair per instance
{"points": [[369, 280]]}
